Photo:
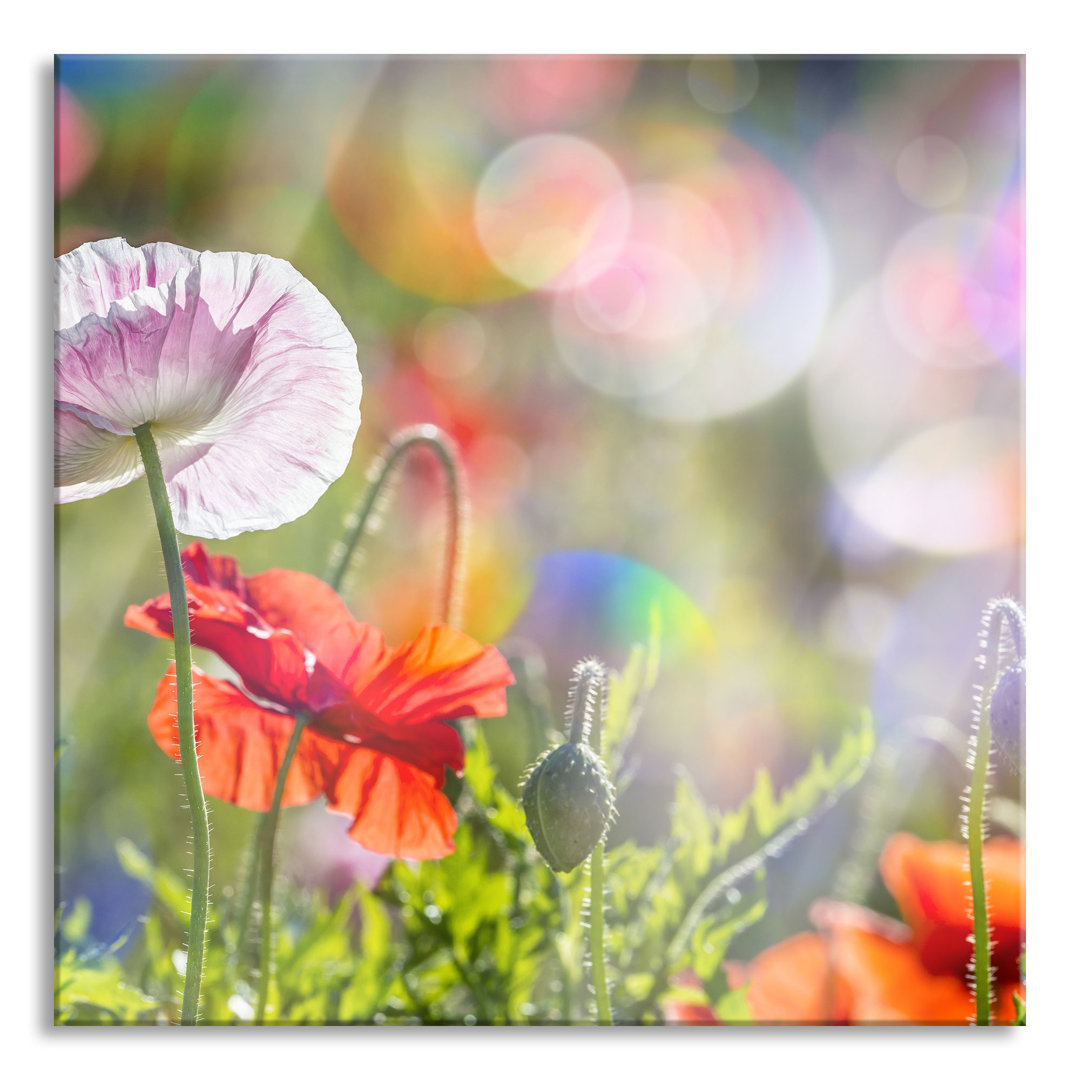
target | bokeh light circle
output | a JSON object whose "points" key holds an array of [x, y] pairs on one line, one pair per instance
{"points": [[722, 84], [450, 343], [401, 176], [635, 320], [944, 299], [902, 443], [686, 325], [532, 93], [932, 171], [952, 489], [76, 143], [537, 209]]}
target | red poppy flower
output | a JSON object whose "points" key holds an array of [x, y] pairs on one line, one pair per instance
{"points": [[378, 740], [862, 968]]}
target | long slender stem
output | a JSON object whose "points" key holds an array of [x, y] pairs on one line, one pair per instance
{"points": [[592, 672], [596, 934], [975, 850], [265, 866], [185, 724], [437, 441], [998, 614]]}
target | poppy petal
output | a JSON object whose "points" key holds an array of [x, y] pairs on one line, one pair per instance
{"points": [[241, 744], [396, 808], [94, 276], [88, 459], [246, 372], [794, 982], [273, 664], [306, 605], [929, 881], [888, 982], [442, 674], [214, 571]]}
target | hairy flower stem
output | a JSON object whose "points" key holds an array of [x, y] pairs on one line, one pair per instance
{"points": [[185, 724], [998, 614], [380, 474], [596, 934], [596, 860], [267, 835]]}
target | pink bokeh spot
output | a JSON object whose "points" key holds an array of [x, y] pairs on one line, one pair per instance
{"points": [[245, 371], [75, 143]]}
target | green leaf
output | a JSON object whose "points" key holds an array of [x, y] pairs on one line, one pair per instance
{"points": [[75, 925], [166, 887], [93, 991], [1021, 1010], [733, 1008]]}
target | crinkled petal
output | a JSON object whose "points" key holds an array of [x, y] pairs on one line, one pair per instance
{"points": [[397, 809], [89, 460], [930, 884], [442, 674], [245, 371], [241, 744], [92, 277]]}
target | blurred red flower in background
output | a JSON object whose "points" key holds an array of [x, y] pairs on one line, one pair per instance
{"points": [[378, 741], [863, 968]]}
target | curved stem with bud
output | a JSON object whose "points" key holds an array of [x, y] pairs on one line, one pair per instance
{"points": [[382, 470]]}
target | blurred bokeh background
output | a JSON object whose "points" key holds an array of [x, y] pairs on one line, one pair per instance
{"points": [[738, 339]]}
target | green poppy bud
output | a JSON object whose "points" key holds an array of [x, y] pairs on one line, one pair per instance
{"points": [[568, 802], [568, 798], [1007, 713]]}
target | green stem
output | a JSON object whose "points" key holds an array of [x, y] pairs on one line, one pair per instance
{"points": [[999, 614], [265, 866], [596, 934], [595, 733], [975, 848], [383, 469], [185, 724]]}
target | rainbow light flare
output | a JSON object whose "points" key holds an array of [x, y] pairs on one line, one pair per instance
{"points": [[587, 603]]}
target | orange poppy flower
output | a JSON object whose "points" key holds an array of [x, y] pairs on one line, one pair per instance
{"points": [[862, 968], [378, 740]]}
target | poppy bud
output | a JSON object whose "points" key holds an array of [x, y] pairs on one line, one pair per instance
{"points": [[567, 796], [1007, 712], [568, 802]]}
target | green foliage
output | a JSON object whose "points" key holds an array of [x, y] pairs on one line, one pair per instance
{"points": [[487, 935], [679, 907]]}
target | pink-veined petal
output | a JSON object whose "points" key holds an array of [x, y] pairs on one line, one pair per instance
{"points": [[245, 371], [94, 276]]}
